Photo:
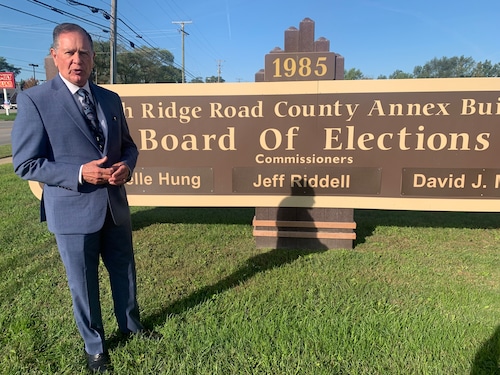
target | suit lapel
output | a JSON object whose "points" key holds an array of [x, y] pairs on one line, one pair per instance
{"points": [[70, 105], [100, 97]]}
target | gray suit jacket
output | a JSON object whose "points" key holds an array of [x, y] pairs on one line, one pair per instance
{"points": [[51, 140]]}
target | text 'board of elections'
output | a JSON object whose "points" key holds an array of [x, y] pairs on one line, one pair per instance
{"points": [[423, 144]]}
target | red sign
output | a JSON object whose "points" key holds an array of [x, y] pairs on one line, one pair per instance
{"points": [[7, 80]]}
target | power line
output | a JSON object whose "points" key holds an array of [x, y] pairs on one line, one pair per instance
{"points": [[29, 14], [65, 13], [108, 16], [198, 40], [105, 29]]}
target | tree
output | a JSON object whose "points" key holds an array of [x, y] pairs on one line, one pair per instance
{"points": [[101, 62], [398, 74], [486, 69], [6, 67], [214, 79], [353, 74], [31, 82], [140, 65], [147, 65], [446, 68]]}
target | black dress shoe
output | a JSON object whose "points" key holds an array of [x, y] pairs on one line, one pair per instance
{"points": [[99, 362]]}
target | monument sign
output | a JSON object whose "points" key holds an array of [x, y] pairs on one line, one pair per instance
{"points": [[298, 138]]}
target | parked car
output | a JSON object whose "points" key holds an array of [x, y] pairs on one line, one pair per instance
{"points": [[12, 106]]}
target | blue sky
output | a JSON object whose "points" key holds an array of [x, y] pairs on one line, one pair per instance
{"points": [[374, 36]]}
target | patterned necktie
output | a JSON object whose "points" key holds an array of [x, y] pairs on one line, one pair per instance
{"points": [[91, 116]]}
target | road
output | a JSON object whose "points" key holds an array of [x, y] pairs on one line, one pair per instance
{"points": [[5, 129]]}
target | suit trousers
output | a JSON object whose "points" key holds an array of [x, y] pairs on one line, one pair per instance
{"points": [[81, 254]]}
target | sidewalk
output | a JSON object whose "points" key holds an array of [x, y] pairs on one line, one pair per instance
{"points": [[5, 160]]}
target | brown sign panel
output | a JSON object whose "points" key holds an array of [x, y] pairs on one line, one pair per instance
{"points": [[451, 182], [171, 181], [423, 144], [306, 181], [299, 66]]}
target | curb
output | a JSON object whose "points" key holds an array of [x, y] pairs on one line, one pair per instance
{"points": [[6, 160]]}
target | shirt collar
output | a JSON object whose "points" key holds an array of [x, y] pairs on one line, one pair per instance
{"points": [[74, 88]]}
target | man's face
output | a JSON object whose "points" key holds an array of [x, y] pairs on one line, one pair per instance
{"points": [[73, 57]]}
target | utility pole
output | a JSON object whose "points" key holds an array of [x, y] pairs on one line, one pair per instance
{"points": [[112, 41], [34, 66], [182, 23], [219, 70]]}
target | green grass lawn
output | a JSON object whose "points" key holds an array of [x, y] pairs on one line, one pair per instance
{"points": [[5, 151], [418, 294], [11, 116]]}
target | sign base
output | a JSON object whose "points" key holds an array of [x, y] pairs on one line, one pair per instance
{"points": [[304, 228]]}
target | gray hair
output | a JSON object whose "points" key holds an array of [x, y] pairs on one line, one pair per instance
{"points": [[68, 28]]}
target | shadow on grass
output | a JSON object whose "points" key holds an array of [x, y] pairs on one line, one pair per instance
{"points": [[366, 220], [191, 215], [260, 263], [487, 357]]}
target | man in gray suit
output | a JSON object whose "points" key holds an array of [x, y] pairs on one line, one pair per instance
{"points": [[78, 145]]}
